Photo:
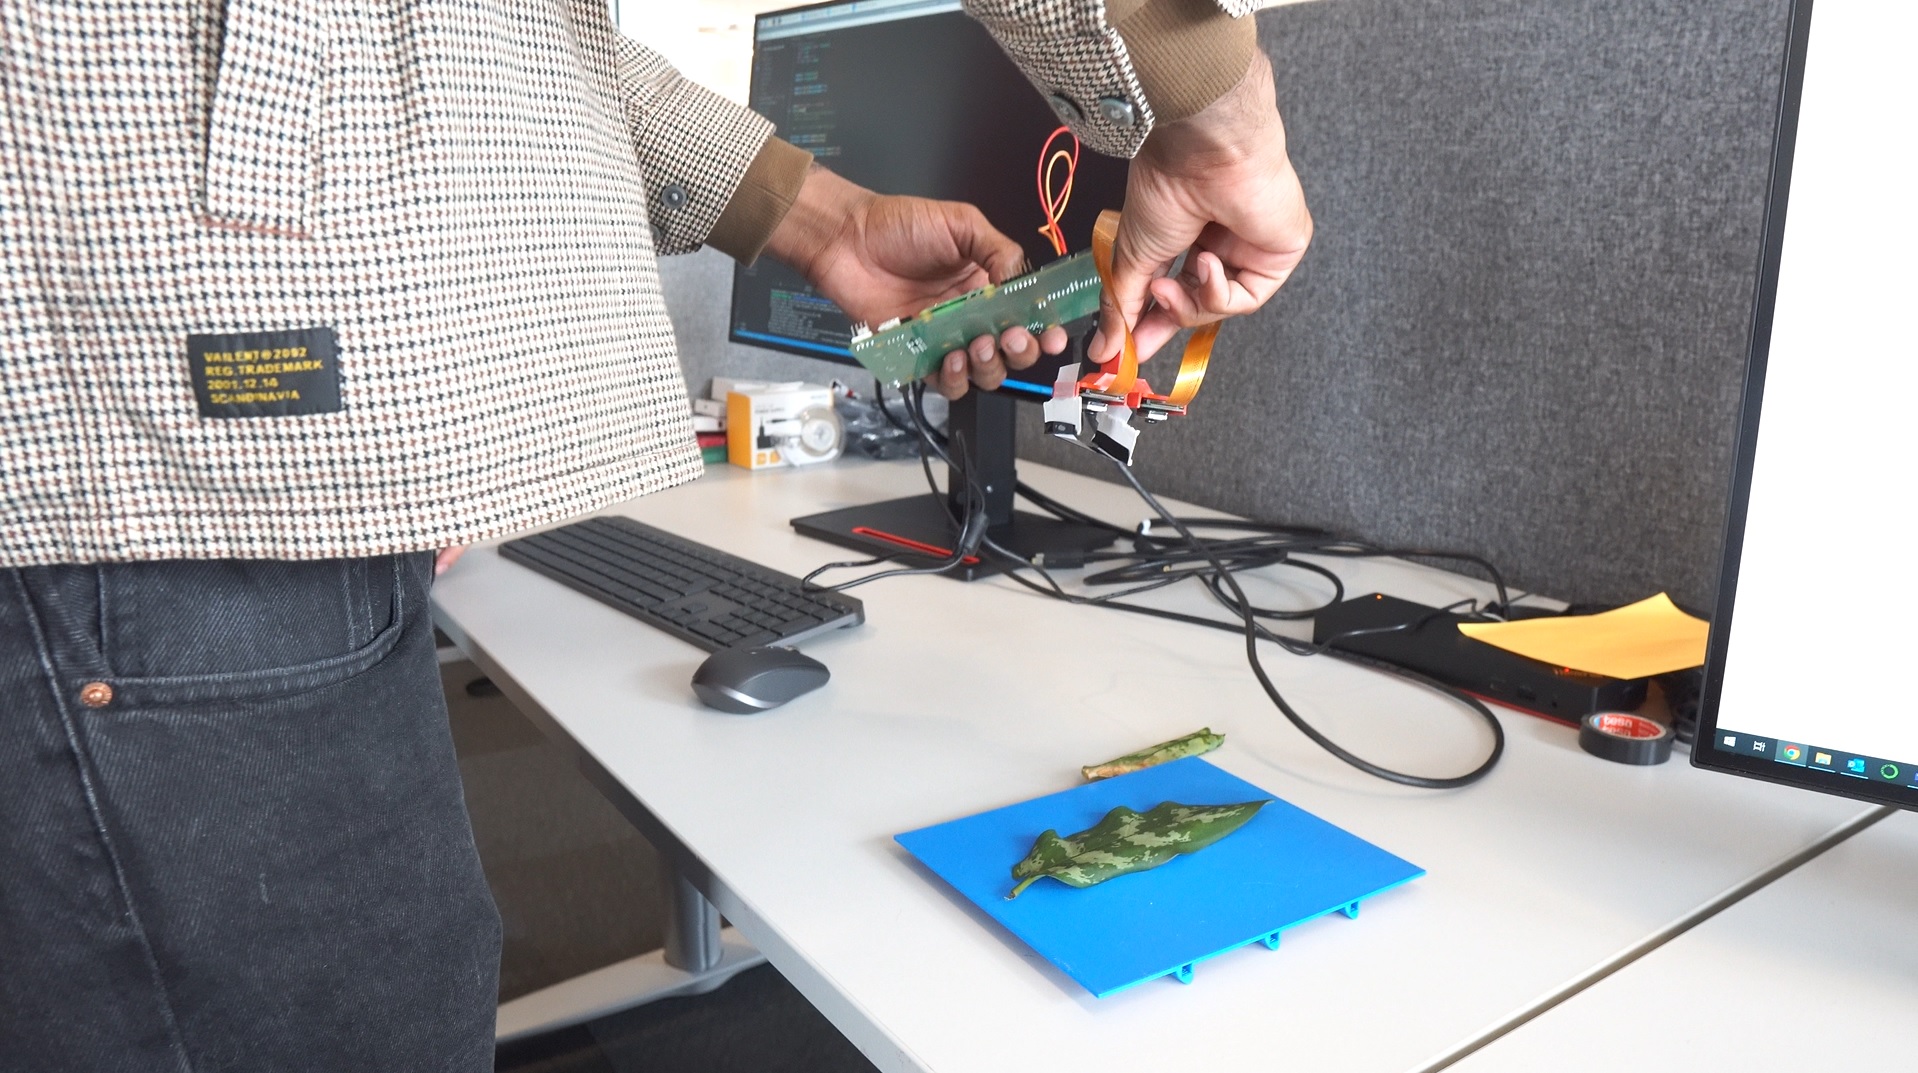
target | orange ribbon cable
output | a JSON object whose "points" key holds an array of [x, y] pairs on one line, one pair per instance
{"points": [[1121, 375], [1115, 377], [1192, 365]]}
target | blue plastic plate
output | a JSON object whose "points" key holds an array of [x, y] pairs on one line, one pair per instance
{"points": [[1284, 867]]}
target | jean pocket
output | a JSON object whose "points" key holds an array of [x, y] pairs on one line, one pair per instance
{"points": [[359, 604], [263, 684]]}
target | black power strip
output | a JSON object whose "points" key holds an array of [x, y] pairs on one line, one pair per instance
{"points": [[1430, 643]]}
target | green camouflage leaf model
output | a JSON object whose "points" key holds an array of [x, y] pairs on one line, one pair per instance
{"points": [[1126, 841]]}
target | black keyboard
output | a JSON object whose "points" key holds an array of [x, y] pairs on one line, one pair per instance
{"points": [[689, 590]]}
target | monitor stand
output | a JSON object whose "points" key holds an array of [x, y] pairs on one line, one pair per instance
{"points": [[984, 423]]}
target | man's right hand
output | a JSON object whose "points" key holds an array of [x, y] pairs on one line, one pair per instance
{"points": [[1218, 187]]}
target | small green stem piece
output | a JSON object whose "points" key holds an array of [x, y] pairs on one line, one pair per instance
{"points": [[1196, 743]]}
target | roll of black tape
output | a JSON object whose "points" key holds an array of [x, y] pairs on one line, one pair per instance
{"points": [[1625, 738]]}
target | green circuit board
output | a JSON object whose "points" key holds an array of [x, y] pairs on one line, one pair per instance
{"points": [[903, 351]]}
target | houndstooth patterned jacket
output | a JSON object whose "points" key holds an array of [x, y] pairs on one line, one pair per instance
{"points": [[1113, 68], [310, 278]]}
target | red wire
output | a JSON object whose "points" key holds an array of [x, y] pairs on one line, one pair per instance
{"points": [[1054, 207]]}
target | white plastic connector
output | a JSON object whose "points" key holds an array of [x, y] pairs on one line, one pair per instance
{"points": [[1064, 415], [1114, 434], [1066, 384]]}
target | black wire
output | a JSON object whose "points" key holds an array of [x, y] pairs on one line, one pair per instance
{"points": [[929, 436], [1324, 542], [879, 397], [915, 412], [1016, 562], [957, 557], [1253, 553], [1064, 513], [975, 505], [1217, 577], [1300, 538], [1253, 633], [1053, 589], [1257, 526], [1210, 579], [1331, 640], [1504, 604], [810, 585]]}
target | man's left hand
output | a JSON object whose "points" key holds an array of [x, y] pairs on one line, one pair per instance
{"points": [[881, 257]]}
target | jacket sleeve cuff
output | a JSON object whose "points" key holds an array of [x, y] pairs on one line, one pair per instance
{"points": [[693, 147], [1185, 53], [1084, 56], [764, 195]]}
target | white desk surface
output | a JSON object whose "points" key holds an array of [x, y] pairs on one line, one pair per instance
{"points": [[954, 698], [1815, 971]]}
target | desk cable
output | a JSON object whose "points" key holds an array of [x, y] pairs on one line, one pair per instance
{"points": [[1255, 632], [1158, 562], [971, 530]]}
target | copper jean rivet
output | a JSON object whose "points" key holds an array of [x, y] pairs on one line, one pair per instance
{"points": [[96, 694]]}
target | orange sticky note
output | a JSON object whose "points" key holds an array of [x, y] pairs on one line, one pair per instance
{"points": [[1649, 637]]}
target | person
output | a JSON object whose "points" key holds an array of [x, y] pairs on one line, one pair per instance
{"points": [[299, 293]]}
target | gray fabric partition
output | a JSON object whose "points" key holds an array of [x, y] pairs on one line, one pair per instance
{"points": [[1521, 328]]}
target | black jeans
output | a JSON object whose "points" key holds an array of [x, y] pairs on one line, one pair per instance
{"points": [[232, 835]]}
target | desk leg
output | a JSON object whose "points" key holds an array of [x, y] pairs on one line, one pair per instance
{"points": [[692, 927], [698, 956], [621, 986]]}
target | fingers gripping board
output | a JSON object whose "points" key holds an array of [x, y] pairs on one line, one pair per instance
{"points": [[901, 351]]}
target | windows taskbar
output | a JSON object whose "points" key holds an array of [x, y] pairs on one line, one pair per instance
{"points": [[1817, 758]]}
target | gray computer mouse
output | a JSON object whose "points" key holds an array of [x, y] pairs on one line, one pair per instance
{"points": [[747, 680]]}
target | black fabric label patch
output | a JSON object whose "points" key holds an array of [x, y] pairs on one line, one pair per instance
{"points": [[265, 374]]}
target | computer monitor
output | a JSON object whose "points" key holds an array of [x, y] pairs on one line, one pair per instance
{"points": [[914, 97], [1815, 627]]}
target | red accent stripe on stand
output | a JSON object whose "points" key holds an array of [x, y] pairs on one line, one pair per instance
{"points": [[910, 543]]}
